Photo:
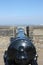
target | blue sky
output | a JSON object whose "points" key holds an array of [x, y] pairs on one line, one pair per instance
{"points": [[21, 12]]}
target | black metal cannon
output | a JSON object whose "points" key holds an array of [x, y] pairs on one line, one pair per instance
{"points": [[21, 51]]}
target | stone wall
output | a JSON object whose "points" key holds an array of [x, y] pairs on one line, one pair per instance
{"points": [[36, 33]]}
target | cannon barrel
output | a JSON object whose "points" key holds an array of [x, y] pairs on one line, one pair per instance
{"points": [[20, 51]]}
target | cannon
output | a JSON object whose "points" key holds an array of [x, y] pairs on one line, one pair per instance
{"points": [[21, 50]]}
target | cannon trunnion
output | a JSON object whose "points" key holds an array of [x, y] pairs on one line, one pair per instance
{"points": [[20, 51]]}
